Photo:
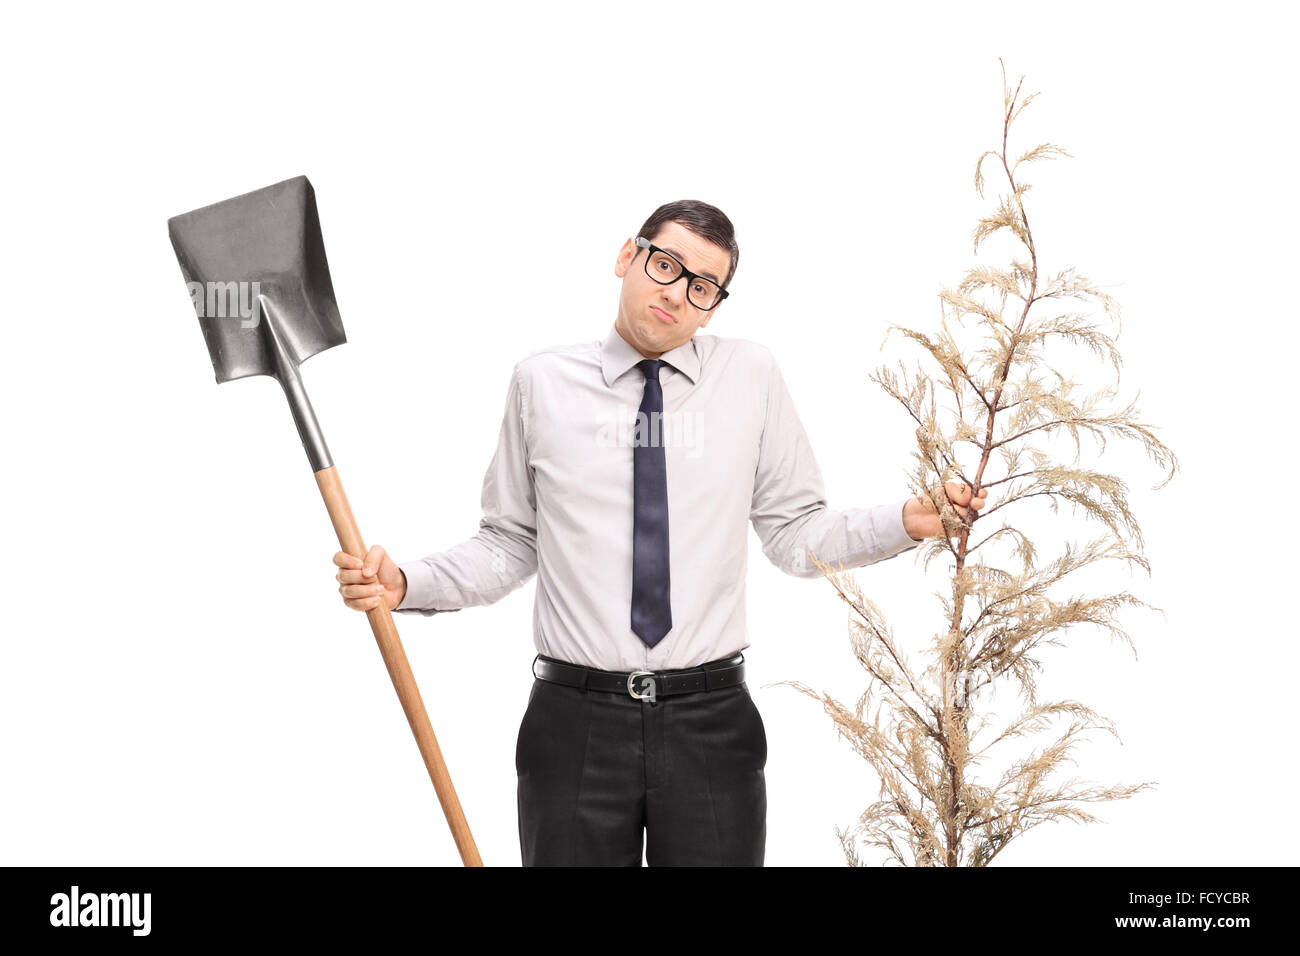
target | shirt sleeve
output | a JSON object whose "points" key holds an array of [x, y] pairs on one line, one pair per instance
{"points": [[503, 554], [789, 509]]}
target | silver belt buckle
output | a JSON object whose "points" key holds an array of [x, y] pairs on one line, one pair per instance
{"points": [[647, 682]]}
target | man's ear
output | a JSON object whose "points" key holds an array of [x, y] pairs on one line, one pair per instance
{"points": [[625, 257]]}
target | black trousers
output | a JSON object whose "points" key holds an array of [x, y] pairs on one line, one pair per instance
{"points": [[600, 772]]}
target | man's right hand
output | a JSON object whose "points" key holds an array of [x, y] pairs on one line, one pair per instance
{"points": [[364, 584]]}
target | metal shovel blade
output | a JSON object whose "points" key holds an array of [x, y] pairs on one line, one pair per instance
{"points": [[258, 279], [255, 254]]}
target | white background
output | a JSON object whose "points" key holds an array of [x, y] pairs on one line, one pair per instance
{"points": [[180, 682]]}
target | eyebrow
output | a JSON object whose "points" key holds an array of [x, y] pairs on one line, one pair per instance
{"points": [[682, 259]]}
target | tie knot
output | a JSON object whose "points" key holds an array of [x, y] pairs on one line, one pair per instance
{"points": [[650, 368]]}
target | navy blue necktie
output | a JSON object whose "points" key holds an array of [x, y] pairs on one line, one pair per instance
{"points": [[651, 616]]}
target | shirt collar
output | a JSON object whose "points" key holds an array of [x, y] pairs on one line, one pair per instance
{"points": [[617, 356]]}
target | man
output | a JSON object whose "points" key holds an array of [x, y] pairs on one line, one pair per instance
{"points": [[626, 475]]}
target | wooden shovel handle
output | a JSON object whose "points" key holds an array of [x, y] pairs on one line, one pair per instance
{"points": [[390, 646]]}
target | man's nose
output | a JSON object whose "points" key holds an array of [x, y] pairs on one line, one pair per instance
{"points": [[676, 293]]}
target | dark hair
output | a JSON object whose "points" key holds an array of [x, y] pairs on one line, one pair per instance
{"points": [[707, 222]]}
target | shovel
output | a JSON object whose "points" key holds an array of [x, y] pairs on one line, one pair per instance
{"points": [[256, 270]]}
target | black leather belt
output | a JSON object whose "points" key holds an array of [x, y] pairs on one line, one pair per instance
{"points": [[644, 685]]}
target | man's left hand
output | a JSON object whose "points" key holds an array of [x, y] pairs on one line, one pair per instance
{"points": [[921, 520]]}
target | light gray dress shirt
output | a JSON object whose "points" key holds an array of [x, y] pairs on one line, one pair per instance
{"points": [[557, 501]]}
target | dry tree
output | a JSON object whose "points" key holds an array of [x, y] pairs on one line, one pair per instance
{"points": [[927, 734]]}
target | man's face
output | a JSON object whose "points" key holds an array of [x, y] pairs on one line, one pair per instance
{"points": [[656, 318]]}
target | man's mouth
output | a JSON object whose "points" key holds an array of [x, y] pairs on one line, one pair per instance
{"points": [[663, 315]]}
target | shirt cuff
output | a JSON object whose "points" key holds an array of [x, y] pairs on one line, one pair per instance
{"points": [[419, 590], [893, 536], [873, 534]]}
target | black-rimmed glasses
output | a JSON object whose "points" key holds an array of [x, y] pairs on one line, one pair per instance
{"points": [[664, 268]]}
